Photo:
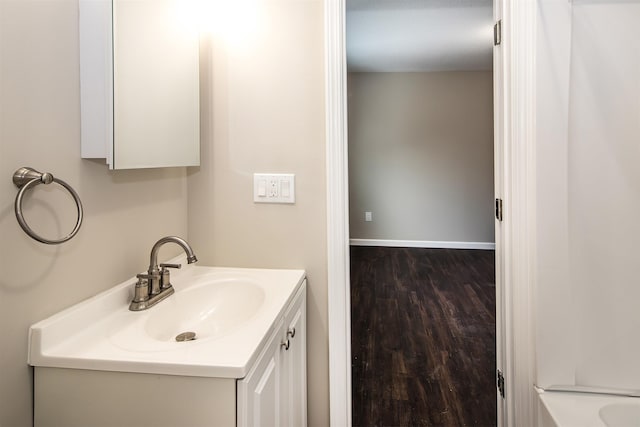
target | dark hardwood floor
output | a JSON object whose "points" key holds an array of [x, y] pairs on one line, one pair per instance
{"points": [[423, 337]]}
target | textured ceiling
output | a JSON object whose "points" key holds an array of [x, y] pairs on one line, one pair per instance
{"points": [[419, 35]]}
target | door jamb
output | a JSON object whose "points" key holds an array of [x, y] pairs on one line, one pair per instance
{"points": [[519, 206], [339, 306]]}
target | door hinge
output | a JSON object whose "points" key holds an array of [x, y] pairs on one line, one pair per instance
{"points": [[497, 33], [500, 382], [499, 209]]}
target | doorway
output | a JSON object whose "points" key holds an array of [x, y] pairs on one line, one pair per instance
{"points": [[515, 77], [421, 193]]}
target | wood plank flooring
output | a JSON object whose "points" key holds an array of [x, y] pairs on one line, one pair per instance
{"points": [[423, 337]]}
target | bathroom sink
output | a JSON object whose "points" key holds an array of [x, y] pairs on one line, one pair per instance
{"points": [[212, 307], [209, 310], [223, 314], [621, 414]]}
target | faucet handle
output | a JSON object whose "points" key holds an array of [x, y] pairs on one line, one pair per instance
{"points": [[163, 265], [141, 290], [165, 281]]}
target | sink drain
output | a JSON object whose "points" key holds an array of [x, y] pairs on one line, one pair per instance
{"points": [[186, 336]]}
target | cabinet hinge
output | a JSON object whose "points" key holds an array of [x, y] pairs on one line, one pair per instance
{"points": [[497, 33], [500, 383], [499, 209]]}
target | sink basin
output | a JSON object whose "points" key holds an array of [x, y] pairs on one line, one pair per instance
{"points": [[209, 310], [620, 414], [231, 311], [211, 307]]}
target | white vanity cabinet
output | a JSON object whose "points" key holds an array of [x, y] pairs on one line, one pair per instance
{"points": [[274, 393]]}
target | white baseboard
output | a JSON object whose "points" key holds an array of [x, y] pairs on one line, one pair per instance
{"points": [[422, 244]]}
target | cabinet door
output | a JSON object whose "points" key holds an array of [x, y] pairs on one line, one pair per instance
{"points": [[139, 83], [274, 393], [259, 398], [294, 364]]}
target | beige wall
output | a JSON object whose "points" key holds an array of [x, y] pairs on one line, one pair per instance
{"points": [[125, 211], [263, 111], [421, 156]]}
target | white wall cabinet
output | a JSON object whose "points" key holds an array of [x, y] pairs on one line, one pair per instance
{"points": [[139, 83], [273, 394]]}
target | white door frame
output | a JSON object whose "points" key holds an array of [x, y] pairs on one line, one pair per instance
{"points": [[519, 20], [518, 227], [339, 301], [499, 163]]}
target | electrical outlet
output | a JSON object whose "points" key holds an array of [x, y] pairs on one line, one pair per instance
{"points": [[273, 187], [368, 216]]}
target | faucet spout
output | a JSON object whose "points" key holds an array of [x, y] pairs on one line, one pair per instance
{"points": [[153, 262], [155, 286]]}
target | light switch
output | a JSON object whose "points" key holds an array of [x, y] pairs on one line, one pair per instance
{"points": [[274, 188], [262, 187]]}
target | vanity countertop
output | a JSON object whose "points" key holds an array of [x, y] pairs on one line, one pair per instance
{"points": [[233, 311]]}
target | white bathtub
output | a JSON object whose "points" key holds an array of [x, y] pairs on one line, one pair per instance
{"points": [[571, 409]]}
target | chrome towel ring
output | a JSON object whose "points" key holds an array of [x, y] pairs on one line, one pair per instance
{"points": [[26, 178]]}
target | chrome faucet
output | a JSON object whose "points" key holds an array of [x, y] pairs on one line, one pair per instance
{"points": [[155, 285]]}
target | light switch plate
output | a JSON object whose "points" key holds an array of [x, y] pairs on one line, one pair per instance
{"points": [[274, 188]]}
